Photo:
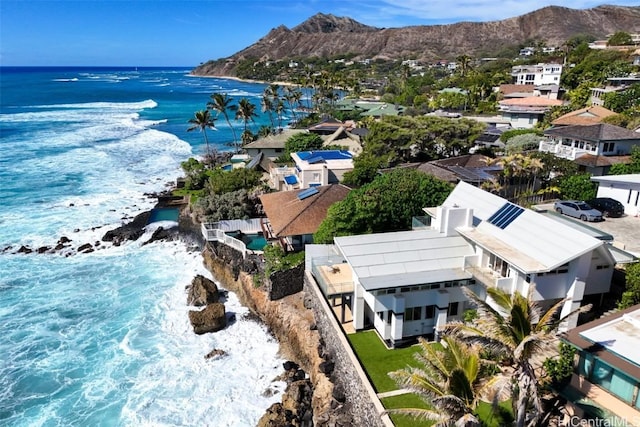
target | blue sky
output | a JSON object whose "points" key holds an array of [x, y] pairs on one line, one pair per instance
{"points": [[188, 32]]}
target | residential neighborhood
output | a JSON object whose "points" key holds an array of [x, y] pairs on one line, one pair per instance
{"points": [[491, 239]]}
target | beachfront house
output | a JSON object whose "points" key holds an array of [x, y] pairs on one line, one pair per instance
{"points": [[601, 139], [606, 381], [293, 216], [409, 283], [316, 168], [271, 146]]}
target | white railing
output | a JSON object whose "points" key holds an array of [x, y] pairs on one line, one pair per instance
{"points": [[217, 235]]}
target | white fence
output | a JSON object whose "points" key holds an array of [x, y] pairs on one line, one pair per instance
{"points": [[217, 235]]}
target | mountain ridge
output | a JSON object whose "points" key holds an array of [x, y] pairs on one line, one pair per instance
{"points": [[326, 35]]}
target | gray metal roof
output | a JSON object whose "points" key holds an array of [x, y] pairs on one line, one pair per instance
{"points": [[536, 242], [405, 257]]}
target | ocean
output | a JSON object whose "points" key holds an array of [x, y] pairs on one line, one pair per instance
{"points": [[103, 338]]}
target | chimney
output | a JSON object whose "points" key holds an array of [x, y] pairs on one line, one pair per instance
{"points": [[451, 217]]}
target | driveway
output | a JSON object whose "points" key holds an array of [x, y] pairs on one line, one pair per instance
{"points": [[625, 230]]}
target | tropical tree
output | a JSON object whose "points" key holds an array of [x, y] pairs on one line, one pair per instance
{"points": [[221, 102], [620, 38], [450, 380], [246, 112], [514, 328], [267, 106], [202, 121], [386, 204]]}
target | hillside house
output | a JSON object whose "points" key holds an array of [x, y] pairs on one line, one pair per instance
{"points": [[623, 188], [571, 142], [539, 74], [525, 113]]}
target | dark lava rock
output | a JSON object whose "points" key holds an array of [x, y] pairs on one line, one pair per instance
{"points": [[202, 291], [25, 250], [211, 319], [130, 231], [216, 352], [86, 248]]}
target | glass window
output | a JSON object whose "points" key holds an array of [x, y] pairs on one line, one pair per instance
{"points": [[602, 374], [585, 364], [622, 386], [453, 309], [413, 313], [430, 312]]}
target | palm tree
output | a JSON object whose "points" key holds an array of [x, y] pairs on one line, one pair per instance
{"points": [[450, 381], [202, 121], [246, 112], [267, 107], [221, 102], [514, 328]]}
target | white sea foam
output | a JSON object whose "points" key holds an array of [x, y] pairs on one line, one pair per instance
{"points": [[103, 338]]}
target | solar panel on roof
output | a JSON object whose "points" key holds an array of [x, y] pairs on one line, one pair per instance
{"points": [[505, 215], [291, 179], [314, 159], [307, 193]]}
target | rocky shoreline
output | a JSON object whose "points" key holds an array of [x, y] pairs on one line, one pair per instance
{"points": [[294, 326], [311, 397]]}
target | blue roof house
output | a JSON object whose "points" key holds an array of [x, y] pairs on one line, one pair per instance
{"points": [[316, 168]]}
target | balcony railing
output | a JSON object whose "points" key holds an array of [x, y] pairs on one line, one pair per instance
{"points": [[333, 275], [217, 235]]}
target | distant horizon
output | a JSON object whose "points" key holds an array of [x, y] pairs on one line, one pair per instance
{"points": [[45, 33]]}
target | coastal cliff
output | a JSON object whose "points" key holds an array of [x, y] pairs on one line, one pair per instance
{"points": [[292, 323]]}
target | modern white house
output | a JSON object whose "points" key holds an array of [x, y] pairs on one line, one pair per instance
{"points": [[409, 283], [602, 139], [623, 188], [539, 74], [315, 168]]}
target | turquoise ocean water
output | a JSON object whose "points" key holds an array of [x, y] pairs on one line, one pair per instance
{"points": [[103, 339]]}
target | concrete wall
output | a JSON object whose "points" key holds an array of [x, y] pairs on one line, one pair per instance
{"points": [[347, 374]]}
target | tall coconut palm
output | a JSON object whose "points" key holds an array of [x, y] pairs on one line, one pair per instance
{"points": [[514, 328], [449, 380], [202, 121], [221, 102], [267, 107], [246, 112]]}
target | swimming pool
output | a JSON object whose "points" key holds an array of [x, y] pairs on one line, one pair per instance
{"points": [[164, 214], [254, 242]]}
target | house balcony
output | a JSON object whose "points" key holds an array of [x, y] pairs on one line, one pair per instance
{"points": [[281, 177], [565, 151], [491, 278], [333, 275]]}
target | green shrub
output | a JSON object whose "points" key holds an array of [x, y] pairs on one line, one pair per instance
{"points": [[559, 369]]}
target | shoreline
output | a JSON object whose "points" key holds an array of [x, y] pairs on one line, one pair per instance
{"points": [[238, 79]]}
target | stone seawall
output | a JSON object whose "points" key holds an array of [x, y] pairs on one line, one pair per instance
{"points": [[310, 335], [348, 376], [291, 323]]}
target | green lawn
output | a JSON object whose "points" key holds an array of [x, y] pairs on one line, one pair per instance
{"points": [[378, 361], [405, 401]]}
